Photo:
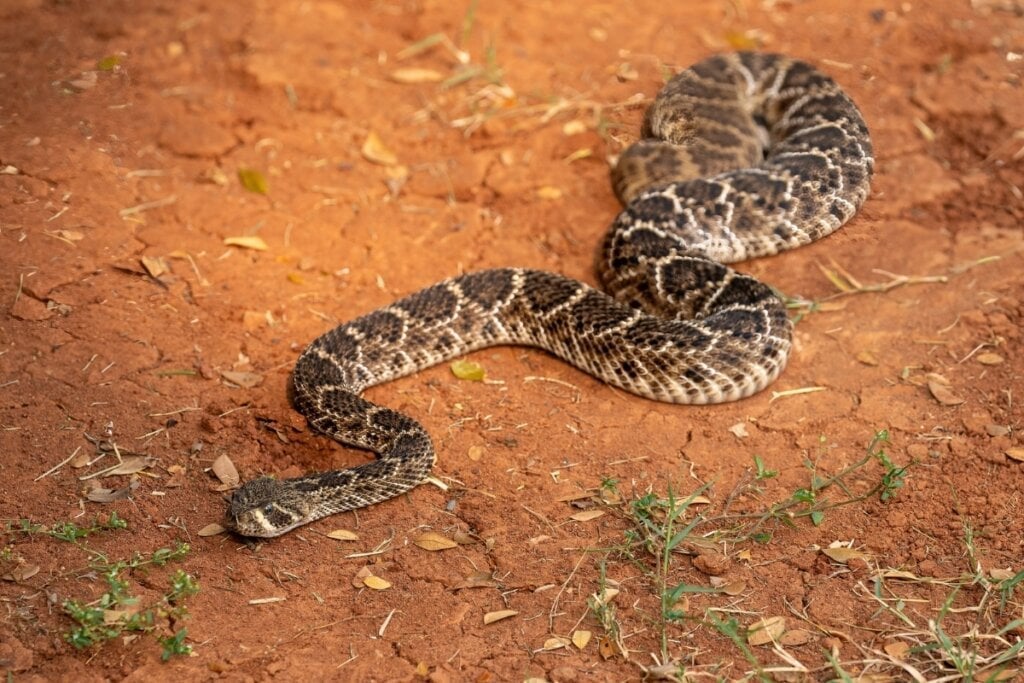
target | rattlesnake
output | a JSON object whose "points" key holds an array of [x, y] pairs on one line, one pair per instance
{"points": [[742, 155]]}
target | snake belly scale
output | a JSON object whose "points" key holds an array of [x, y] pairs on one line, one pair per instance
{"points": [[741, 155]]}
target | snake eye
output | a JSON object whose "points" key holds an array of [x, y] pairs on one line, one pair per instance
{"points": [[268, 509]]}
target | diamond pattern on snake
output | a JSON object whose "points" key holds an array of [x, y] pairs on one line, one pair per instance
{"points": [[741, 155]]}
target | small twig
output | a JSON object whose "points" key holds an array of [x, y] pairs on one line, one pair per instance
{"points": [[146, 206], [56, 467]]}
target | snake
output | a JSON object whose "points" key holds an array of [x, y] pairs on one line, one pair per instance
{"points": [[741, 155]]}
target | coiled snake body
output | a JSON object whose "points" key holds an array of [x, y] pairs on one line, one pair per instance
{"points": [[741, 155]]}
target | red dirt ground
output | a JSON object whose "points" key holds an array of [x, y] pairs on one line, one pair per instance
{"points": [[123, 126]]}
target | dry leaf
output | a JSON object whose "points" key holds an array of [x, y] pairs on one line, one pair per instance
{"points": [[587, 515], [896, 649], [739, 430], [468, 370], [464, 537], [1015, 454], [225, 470], [246, 380], [415, 75], [376, 151], [211, 529], [555, 643], [581, 638], [22, 572], [475, 453], [492, 617], [579, 495], [574, 127], [765, 631], [131, 465], [343, 535], [433, 541], [549, 192], [797, 636], [154, 265], [941, 391], [376, 583], [75, 236], [734, 588], [867, 358], [989, 358], [357, 580], [252, 180], [843, 555], [98, 494], [477, 580], [606, 596], [247, 242], [607, 648]]}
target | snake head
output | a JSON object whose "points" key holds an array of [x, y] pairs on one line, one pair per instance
{"points": [[265, 508]]}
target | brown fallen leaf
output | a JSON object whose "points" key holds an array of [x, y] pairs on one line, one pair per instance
{"points": [[587, 515], [21, 572], [1015, 454], [465, 538], [154, 265], [246, 380], [896, 649], [941, 390], [376, 583], [989, 358], [416, 75], [843, 555], [492, 617], [363, 572], [225, 470], [581, 638], [797, 636], [247, 242], [376, 151], [211, 529], [477, 580], [608, 648], [131, 465], [765, 631], [343, 535], [98, 494], [555, 643], [433, 541], [867, 358]]}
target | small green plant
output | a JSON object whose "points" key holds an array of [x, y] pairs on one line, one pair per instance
{"points": [[731, 629], [117, 610], [893, 479], [761, 472], [603, 609], [658, 527], [174, 645], [71, 532]]}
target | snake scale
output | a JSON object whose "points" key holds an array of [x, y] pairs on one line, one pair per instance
{"points": [[741, 155]]}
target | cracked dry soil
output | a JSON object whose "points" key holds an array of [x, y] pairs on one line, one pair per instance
{"points": [[123, 126]]}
